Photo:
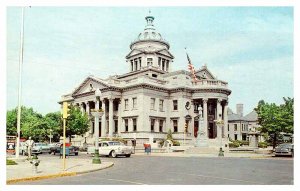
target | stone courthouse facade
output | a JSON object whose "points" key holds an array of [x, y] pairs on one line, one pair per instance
{"points": [[150, 99]]}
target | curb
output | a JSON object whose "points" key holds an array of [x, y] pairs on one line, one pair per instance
{"points": [[93, 170], [33, 178]]}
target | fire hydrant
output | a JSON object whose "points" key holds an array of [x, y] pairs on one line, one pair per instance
{"points": [[35, 163]]}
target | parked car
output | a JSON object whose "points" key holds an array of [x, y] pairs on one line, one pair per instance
{"points": [[285, 149], [54, 148], [70, 150], [39, 148], [112, 148]]}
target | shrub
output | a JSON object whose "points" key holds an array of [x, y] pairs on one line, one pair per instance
{"points": [[175, 143], [244, 142], [10, 162], [262, 144], [234, 144]]}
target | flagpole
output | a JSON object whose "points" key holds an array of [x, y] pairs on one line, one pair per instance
{"points": [[20, 85]]}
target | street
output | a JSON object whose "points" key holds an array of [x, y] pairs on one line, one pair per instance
{"points": [[157, 170]]}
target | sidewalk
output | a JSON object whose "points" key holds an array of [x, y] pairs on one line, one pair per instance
{"points": [[51, 168], [230, 154]]}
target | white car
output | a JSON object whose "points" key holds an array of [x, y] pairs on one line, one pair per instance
{"points": [[112, 148], [39, 148]]}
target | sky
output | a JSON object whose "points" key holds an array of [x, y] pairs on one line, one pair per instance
{"points": [[249, 47]]}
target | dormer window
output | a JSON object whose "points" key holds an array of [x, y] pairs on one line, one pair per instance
{"points": [[149, 61]]}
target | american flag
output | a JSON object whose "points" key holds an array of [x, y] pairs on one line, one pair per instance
{"points": [[191, 68]]}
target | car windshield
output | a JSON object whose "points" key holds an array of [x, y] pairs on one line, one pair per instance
{"points": [[285, 146], [115, 143]]}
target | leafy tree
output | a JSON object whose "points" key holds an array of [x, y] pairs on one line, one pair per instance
{"points": [[77, 123], [276, 119], [11, 122], [54, 122], [32, 124]]}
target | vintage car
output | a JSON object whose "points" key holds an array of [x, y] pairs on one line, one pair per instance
{"points": [[70, 150], [112, 149], [285, 149], [39, 148]]}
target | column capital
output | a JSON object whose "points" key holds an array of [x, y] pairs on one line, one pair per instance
{"points": [[226, 102], [87, 103], [219, 100], [205, 100]]}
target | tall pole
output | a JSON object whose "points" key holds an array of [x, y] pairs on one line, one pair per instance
{"points": [[64, 145], [20, 85]]}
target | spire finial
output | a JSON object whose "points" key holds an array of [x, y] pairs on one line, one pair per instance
{"points": [[149, 19]]}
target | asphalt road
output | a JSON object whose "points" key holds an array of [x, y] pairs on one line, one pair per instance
{"points": [[154, 170]]}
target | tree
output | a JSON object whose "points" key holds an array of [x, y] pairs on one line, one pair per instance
{"points": [[77, 122], [32, 124], [276, 119], [54, 123]]}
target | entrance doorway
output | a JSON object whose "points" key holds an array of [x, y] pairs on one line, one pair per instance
{"points": [[211, 131], [196, 127]]}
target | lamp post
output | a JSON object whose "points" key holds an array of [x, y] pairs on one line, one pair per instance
{"points": [[97, 113], [50, 136], [220, 123]]}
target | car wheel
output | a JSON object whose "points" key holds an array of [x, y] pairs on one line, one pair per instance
{"points": [[128, 155], [113, 154], [76, 154]]}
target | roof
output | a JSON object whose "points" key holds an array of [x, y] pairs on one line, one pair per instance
{"points": [[252, 116], [235, 117]]}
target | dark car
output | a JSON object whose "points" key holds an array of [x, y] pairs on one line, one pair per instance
{"points": [[285, 149], [71, 150]]}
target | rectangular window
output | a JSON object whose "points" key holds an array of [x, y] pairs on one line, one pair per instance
{"points": [[152, 103], [126, 104], [116, 126], [152, 125], [228, 127], [149, 61], [235, 136], [175, 105], [235, 127], [175, 125], [134, 103], [126, 125], [161, 125], [161, 105], [134, 124]]}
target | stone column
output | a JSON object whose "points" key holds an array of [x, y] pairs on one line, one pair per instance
{"points": [[226, 120], [119, 116], [103, 120], [219, 111], [88, 114], [205, 123], [82, 108], [87, 108], [110, 117]]}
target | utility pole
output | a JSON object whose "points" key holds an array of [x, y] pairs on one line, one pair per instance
{"points": [[20, 85]]}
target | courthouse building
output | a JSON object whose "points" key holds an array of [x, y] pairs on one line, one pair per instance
{"points": [[150, 99]]}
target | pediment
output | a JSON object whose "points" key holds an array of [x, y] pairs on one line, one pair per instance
{"points": [[88, 85], [133, 53], [204, 73], [166, 53]]}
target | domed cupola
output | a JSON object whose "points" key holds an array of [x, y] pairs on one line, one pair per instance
{"points": [[149, 50], [150, 34]]}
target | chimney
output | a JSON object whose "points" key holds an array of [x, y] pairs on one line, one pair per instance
{"points": [[239, 109]]}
